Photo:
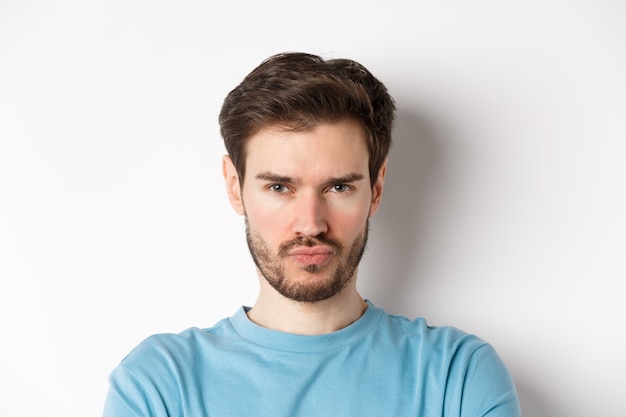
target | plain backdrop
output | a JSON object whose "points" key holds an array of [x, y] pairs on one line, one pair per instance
{"points": [[504, 211]]}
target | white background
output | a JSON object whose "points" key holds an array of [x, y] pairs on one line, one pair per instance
{"points": [[504, 212]]}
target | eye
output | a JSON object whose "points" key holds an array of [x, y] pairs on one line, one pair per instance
{"points": [[278, 188], [340, 188]]}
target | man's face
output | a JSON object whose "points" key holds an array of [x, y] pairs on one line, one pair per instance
{"points": [[307, 199]]}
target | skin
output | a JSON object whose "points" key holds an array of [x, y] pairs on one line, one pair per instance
{"points": [[307, 200]]}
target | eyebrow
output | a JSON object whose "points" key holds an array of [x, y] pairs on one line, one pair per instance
{"points": [[273, 177]]}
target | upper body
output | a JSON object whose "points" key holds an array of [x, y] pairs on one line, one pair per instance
{"points": [[381, 365], [307, 144]]}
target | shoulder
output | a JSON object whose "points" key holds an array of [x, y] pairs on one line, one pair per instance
{"points": [[167, 350], [149, 378], [473, 372], [439, 338], [446, 349]]}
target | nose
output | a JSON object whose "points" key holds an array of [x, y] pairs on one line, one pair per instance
{"points": [[310, 214]]}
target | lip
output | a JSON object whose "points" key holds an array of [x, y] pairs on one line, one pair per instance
{"points": [[311, 256]]}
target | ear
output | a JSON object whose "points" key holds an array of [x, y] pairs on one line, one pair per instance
{"points": [[377, 189], [233, 186]]}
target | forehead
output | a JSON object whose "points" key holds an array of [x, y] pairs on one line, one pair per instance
{"points": [[329, 147]]}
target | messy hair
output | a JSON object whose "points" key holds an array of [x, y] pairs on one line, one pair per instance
{"points": [[298, 91]]}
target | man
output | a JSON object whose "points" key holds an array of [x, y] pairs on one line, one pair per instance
{"points": [[307, 143]]}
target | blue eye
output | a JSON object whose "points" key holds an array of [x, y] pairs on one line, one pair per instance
{"points": [[279, 188], [340, 188]]}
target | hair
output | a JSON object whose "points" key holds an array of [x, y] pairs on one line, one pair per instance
{"points": [[298, 91]]}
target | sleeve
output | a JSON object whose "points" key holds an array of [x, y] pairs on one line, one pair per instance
{"points": [[488, 389], [147, 383], [130, 397]]}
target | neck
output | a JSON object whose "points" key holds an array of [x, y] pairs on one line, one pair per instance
{"points": [[276, 312]]}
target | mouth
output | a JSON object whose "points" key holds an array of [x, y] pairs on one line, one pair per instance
{"points": [[311, 256]]}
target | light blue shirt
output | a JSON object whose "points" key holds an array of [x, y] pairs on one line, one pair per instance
{"points": [[381, 365]]}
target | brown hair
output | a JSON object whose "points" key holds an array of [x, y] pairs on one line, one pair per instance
{"points": [[298, 91]]}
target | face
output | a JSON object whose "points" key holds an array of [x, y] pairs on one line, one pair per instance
{"points": [[307, 199]]}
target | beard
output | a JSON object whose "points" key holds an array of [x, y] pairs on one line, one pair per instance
{"points": [[272, 265]]}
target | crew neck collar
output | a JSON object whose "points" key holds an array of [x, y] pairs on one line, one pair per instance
{"points": [[274, 339]]}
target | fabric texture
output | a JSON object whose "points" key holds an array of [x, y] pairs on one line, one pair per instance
{"points": [[381, 365]]}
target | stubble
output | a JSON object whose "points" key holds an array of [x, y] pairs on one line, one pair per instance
{"points": [[272, 265]]}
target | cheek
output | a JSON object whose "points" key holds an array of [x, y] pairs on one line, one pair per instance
{"points": [[349, 222], [265, 224], [262, 219]]}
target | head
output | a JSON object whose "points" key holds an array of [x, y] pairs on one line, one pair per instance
{"points": [[299, 91], [310, 137]]}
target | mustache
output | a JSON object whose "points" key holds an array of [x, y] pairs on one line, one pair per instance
{"points": [[308, 241]]}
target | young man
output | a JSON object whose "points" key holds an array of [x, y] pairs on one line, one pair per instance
{"points": [[307, 143]]}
